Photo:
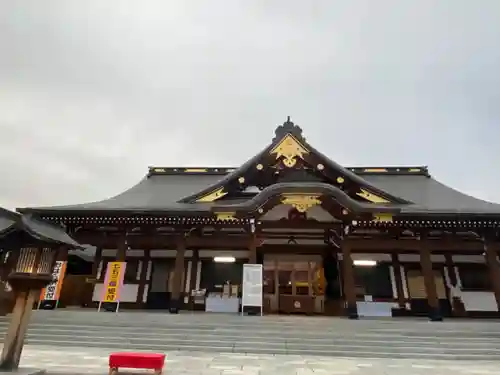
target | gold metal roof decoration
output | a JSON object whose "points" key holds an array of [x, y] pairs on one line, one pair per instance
{"points": [[213, 196], [290, 149], [225, 216], [301, 202], [371, 197], [382, 218], [225, 170]]}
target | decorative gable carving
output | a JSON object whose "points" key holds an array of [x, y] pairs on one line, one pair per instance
{"points": [[290, 158], [301, 202], [290, 150]]}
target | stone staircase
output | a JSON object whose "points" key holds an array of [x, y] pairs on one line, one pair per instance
{"points": [[160, 331]]}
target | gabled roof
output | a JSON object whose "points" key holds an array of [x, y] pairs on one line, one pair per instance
{"points": [[288, 150], [194, 190], [11, 222]]}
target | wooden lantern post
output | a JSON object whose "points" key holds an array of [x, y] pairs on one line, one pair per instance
{"points": [[32, 272]]}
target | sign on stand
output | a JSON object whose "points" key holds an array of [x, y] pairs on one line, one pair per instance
{"points": [[52, 292], [113, 283], [252, 294]]}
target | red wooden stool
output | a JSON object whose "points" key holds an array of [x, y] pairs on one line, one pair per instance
{"points": [[150, 361]]}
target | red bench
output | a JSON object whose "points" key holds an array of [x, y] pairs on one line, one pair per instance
{"points": [[149, 361]]}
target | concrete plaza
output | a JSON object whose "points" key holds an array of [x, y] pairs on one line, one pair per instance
{"points": [[79, 342], [74, 360]]}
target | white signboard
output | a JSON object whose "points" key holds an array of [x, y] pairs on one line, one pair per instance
{"points": [[252, 294]]}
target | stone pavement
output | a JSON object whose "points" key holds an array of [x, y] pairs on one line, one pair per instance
{"points": [[78, 361]]}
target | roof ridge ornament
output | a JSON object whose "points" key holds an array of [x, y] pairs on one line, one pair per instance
{"points": [[288, 127]]}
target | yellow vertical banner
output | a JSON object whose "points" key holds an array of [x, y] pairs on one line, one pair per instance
{"points": [[113, 281]]}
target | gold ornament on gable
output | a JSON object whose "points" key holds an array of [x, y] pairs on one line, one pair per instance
{"points": [[371, 197], [290, 149], [213, 196], [301, 202]]}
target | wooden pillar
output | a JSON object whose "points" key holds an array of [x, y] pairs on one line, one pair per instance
{"points": [[97, 262], [194, 271], [457, 305], [396, 266], [14, 340], [310, 281], [144, 277], [252, 249], [175, 301], [450, 266], [95, 277], [494, 268], [429, 280], [4, 271], [121, 252], [349, 282]]}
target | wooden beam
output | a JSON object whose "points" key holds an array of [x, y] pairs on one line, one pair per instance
{"points": [[240, 242], [412, 245]]}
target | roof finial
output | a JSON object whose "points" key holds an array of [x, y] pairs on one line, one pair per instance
{"points": [[288, 127]]}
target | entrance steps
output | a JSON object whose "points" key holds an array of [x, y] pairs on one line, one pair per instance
{"points": [[163, 332]]}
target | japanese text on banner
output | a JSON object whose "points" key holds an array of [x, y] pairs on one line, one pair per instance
{"points": [[114, 281], [52, 291]]}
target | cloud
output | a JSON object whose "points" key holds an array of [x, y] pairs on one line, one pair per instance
{"points": [[94, 92]]}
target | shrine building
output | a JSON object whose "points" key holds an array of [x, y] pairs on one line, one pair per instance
{"points": [[333, 240]]}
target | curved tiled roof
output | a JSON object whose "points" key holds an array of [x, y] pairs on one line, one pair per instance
{"points": [[41, 230], [8, 220], [428, 194], [176, 190], [162, 192]]}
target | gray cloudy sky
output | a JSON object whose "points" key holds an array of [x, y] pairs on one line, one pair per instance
{"points": [[92, 92]]}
